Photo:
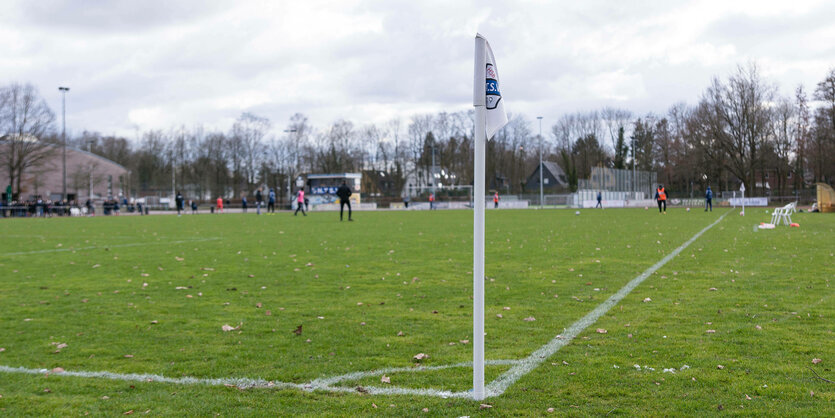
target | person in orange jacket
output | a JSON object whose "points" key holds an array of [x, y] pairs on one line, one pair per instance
{"points": [[219, 205], [661, 198]]}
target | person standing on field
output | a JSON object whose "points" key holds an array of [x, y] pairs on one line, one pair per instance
{"points": [[661, 198], [599, 200], [709, 199], [219, 205], [344, 194], [179, 202], [496, 200], [406, 199], [431, 201], [243, 203], [259, 200], [300, 203], [271, 202]]}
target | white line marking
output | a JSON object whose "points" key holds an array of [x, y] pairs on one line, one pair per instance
{"points": [[526, 365], [326, 384], [135, 244], [519, 368]]}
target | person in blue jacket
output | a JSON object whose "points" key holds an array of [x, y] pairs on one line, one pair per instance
{"points": [[709, 199]]}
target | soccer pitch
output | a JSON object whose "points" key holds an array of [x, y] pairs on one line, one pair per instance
{"points": [[94, 312]]}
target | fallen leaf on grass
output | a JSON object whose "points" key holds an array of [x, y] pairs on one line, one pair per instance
{"points": [[758, 327], [179, 258], [385, 379], [227, 327], [268, 313], [258, 305], [550, 410], [298, 330], [128, 412], [713, 289], [499, 316], [601, 331], [58, 370], [485, 406], [647, 300], [425, 409], [420, 356], [529, 319], [747, 397], [61, 345], [464, 341], [95, 266], [711, 331], [816, 360], [400, 333], [2, 349], [720, 367]]}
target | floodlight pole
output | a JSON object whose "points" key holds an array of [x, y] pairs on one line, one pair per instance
{"points": [[541, 187], [64, 91], [295, 166], [479, 101]]}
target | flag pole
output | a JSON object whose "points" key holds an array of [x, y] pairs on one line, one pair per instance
{"points": [[479, 100]]}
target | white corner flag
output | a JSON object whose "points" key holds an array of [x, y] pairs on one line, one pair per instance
{"points": [[489, 118], [496, 116]]}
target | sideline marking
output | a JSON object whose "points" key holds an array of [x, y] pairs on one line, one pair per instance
{"points": [[526, 365], [135, 244], [519, 368]]}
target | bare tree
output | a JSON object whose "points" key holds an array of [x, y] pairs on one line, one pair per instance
{"points": [[25, 121], [249, 131], [734, 120]]}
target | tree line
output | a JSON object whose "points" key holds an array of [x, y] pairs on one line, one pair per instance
{"points": [[740, 130]]}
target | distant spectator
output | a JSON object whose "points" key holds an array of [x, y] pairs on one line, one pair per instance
{"points": [[243, 203], [300, 203], [709, 199], [219, 205], [344, 194], [178, 201], [271, 202], [259, 200]]}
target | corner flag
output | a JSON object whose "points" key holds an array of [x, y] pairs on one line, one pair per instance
{"points": [[489, 118], [496, 116]]}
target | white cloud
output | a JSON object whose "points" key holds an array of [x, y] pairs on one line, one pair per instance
{"points": [[160, 64]]}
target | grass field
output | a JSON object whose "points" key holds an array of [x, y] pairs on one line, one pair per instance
{"points": [[739, 315]]}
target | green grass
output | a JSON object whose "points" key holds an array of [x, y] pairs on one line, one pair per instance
{"points": [[410, 272]]}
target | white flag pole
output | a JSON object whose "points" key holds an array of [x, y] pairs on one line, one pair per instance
{"points": [[479, 99], [742, 189]]}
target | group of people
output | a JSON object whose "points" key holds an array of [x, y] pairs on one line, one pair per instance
{"points": [[36, 207], [45, 208], [343, 192], [661, 198]]}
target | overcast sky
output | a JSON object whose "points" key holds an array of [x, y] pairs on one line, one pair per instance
{"points": [[146, 64]]}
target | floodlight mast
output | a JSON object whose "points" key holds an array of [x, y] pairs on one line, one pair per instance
{"points": [[64, 91], [479, 101], [541, 187]]}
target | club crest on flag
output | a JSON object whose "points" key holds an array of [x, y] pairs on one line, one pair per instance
{"points": [[493, 94]]}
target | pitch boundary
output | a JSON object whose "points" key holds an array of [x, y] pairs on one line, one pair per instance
{"points": [[519, 368]]}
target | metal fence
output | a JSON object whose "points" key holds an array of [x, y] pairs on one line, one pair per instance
{"points": [[618, 180]]}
